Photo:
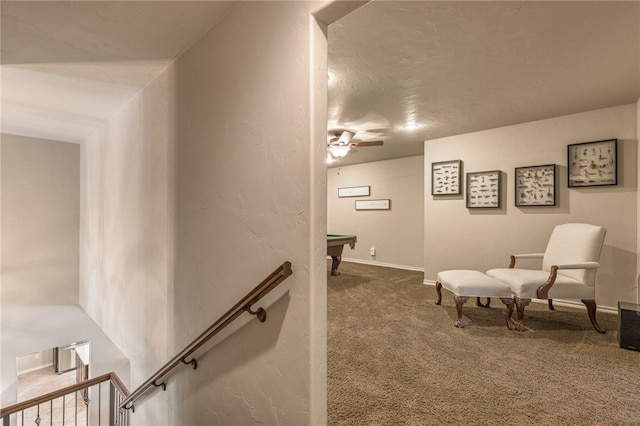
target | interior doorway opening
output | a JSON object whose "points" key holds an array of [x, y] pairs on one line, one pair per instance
{"points": [[52, 368]]}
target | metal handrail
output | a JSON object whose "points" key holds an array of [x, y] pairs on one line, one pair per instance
{"points": [[245, 304], [20, 406]]}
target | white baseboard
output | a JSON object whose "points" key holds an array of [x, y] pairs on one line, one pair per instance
{"points": [[37, 367], [579, 305], [386, 265]]}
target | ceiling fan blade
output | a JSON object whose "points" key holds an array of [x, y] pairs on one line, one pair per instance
{"points": [[366, 143]]}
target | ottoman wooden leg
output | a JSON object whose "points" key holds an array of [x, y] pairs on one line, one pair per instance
{"points": [[520, 305], [460, 300]]}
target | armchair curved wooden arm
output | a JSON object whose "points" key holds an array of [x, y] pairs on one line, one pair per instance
{"points": [[543, 290]]}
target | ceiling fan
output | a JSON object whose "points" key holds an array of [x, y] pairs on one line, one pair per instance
{"points": [[341, 141]]}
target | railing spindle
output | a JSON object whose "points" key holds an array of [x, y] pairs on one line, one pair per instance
{"points": [[25, 409], [121, 399], [99, 403]]}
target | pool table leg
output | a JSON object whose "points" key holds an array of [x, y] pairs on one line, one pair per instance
{"points": [[335, 262]]}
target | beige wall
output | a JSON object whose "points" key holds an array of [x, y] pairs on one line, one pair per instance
{"points": [[34, 361], [127, 233], [40, 269], [40, 222], [396, 234], [460, 238], [638, 209], [251, 195]]}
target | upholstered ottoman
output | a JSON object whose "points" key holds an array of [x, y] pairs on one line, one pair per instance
{"points": [[465, 283]]}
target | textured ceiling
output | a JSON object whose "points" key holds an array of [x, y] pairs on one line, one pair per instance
{"points": [[458, 67], [69, 66], [452, 67]]}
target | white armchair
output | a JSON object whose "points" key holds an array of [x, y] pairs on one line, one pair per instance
{"points": [[569, 266]]}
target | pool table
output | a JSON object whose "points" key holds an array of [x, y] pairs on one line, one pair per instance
{"points": [[335, 244]]}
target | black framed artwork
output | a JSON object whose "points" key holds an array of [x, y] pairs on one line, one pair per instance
{"points": [[536, 185], [483, 189], [445, 177], [593, 163]]}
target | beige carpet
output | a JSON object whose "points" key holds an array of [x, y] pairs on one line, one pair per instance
{"points": [[394, 358]]}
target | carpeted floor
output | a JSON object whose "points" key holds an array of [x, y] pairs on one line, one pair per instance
{"points": [[395, 358]]}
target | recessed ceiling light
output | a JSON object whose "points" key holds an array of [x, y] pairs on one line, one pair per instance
{"points": [[329, 158], [339, 151]]}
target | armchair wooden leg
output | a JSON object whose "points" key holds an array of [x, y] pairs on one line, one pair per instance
{"points": [[511, 325], [439, 291], [520, 305], [551, 308], [460, 300], [591, 309]]}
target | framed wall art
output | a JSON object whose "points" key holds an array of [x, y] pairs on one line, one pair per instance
{"points": [[593, 163], [354, 191], [373, 204], [445, 177], [536, 185], [483, 189]]}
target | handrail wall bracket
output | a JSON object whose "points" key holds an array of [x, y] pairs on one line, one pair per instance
{"points": [[193, 362], [244, 305], [162, 385], [261, 314]]}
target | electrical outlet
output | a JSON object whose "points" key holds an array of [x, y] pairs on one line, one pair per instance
{"points": [[372, 251]]}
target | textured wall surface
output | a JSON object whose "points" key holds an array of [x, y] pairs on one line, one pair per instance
{"points": [[247, 186], [127, 229], [40, 221], [461, 238], [397, 234], [638, 207]]}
